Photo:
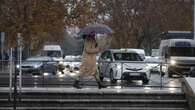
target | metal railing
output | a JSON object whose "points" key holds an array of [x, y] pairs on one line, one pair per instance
{"points": [[45, 79], [4, 66], [7, 70]]}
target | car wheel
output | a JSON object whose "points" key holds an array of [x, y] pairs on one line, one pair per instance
{"points": [[145, 81], [170, 74], [54, 71], [100, 75], [112, 80], [41, 72], [101, 78]]}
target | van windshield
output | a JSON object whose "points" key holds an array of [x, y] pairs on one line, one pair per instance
{"points": [[182, 51], [53, 53]]}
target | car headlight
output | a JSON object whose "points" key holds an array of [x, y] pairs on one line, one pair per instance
{"points": [[45, 74], [61, 62], [36, 66], [118, 67], [17, 66], [172, 62]]}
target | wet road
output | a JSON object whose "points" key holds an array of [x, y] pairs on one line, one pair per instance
{"points": [[64, 80]]}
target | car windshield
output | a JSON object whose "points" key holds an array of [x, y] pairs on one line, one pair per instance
{"points": [[38, 59], [53, 53], [182, 51], [72, 58], [127, 57]]}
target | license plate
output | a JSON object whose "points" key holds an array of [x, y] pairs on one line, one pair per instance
{"points": [[134, 74]]}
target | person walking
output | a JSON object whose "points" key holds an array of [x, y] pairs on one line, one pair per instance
{"points": [[88, 62]]}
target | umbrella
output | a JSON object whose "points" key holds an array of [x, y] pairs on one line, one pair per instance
{"points": [[95, 29]]}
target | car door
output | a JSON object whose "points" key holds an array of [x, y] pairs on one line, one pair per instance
{"points": [[50, 66], [103, 63], [107, 64]]}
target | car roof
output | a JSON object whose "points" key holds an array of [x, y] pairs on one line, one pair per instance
{"points": [[39, 57], [126, 50], [173, 41]]}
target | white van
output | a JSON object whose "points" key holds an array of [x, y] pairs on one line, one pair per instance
{"points": [[53, 51], [178, 53]]}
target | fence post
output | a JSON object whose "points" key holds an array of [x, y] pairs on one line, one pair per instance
{"points": [[20, 71], [10, 74], [15, 81], [161, 75]]}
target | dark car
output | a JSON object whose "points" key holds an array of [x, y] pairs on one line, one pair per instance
{"points": [[38, 65]]}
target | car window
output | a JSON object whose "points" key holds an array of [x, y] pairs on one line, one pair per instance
{"points": [[106, 55], [109, 55], [127, 57], [39, 59]]}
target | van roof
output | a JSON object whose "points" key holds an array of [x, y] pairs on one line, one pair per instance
{"points": [[52, 47], [173, 41], [177, 35]]}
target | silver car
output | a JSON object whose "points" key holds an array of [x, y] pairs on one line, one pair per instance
{"points": [[123, 64], [71, 63], [38, 65]]}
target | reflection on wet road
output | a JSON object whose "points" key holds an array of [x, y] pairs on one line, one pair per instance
{"points": [[63, 80]]}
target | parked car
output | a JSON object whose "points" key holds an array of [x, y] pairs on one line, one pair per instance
{"points": [[71, 63], [123, 64], [38, 65]]}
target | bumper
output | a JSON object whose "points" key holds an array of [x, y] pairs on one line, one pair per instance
{"points": [[134, 76], [31, 71], [184, 70]]}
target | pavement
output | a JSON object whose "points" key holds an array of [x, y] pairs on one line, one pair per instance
{"points": [[115, 89]]}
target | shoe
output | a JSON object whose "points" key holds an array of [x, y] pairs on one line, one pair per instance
{"points": [[76, 84], [100, 85]]}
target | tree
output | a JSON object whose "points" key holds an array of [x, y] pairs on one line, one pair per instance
{"points": [[37, 20], [138, 23]]}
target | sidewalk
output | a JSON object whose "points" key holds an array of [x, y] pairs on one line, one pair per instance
{"points": [[116, 89]]}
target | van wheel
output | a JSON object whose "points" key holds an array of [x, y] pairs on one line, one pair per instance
{"points": [[112, 80]]}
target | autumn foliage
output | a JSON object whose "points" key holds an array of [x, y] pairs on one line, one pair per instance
{"points": [[136, 23]]}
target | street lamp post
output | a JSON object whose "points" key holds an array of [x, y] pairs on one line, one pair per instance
{"points": [[2, 45], [194, 19]]}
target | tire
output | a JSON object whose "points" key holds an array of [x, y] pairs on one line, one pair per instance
{"points": [[100, 75], [55, 71], [112, 80], [145, 81], [170, 74], [101, 78]]}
